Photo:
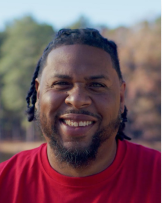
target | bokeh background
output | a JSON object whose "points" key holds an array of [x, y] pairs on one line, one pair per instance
{"points": [[26, 29]]}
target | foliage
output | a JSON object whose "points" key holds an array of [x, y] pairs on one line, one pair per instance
{"points": [[22, 43], [81, 22], [140, 59], [21, 48]]}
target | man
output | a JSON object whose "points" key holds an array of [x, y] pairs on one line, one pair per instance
{"points": [[77, 97]]}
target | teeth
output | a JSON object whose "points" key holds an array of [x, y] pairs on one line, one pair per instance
{"points": [[81, 123], [75, 124]]}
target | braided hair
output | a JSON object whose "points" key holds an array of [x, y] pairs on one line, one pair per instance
{"points": [[87, 36]]}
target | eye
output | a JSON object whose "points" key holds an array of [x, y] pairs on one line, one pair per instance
{"points": [[61, 85], [96, 84]]}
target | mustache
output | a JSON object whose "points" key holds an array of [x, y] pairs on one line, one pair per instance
{"points": [[79, 112]]}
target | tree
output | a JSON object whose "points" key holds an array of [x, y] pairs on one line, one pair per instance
{"points": [[21, 48], [140, 59], [82, 22]]}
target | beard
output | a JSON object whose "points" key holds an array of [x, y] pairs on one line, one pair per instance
{"points": [[76, 157]]}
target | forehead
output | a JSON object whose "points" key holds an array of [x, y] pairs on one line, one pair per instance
{"points": [[78, 59]]}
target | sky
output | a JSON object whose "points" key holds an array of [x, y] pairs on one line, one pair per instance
{"points": [[59, 14]]}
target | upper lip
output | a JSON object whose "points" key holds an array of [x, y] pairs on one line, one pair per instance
{"points": [[78, 117]]}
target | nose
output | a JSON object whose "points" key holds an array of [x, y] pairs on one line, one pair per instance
{"points": [[78, 98]]}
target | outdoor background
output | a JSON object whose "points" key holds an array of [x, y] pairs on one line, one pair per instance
{"points": [[25, 30]]}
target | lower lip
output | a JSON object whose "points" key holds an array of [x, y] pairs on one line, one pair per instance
{"points": [[75, 131]]}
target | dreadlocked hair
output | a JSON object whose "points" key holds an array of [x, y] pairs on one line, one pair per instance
{"points": [[120, 134], [87, 36]]}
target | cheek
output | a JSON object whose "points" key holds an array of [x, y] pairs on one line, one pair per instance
{"points": [[50, 102], [108, 106]]}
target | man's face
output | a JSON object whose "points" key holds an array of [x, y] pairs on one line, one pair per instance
{"points": [[80, 98]]}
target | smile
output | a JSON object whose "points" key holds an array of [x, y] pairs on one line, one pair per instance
{"points": [[76, 124]]}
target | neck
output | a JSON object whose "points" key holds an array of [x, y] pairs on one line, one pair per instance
{"points": [[101, 162]]}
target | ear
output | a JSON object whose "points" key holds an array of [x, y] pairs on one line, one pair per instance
{"points": [[37, 87], [122, 96]]}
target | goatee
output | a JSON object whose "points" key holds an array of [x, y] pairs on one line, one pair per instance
{"points": [[76, 157]]}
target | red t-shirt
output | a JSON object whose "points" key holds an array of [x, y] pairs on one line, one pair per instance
{"points": [[133, 177]]}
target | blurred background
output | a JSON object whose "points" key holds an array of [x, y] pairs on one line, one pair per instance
{"points": [[26, 29]]}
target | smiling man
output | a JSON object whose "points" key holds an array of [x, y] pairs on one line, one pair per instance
{"points": [[77, 97]]}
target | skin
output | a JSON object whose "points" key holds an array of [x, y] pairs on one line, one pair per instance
{"points": [[80, 77]]}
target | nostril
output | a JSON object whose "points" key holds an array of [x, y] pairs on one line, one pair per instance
{"points": [[78, 98]]}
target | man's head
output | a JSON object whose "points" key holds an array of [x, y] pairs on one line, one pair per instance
{"points": [[80, 93]]}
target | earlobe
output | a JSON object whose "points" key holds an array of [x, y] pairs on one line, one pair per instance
{"points": [[37, 90], [122, 96]]}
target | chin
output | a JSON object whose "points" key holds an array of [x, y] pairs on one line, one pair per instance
{"points": [[81, 146]]}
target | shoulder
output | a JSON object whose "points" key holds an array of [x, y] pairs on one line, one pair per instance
{"points": [[21, 160], [141, 170], [145, 156], [139, 149]]}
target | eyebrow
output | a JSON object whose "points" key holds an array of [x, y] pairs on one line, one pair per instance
{"points": [[61, 76], [95, 77]]}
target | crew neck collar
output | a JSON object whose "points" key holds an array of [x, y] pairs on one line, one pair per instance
{"points": [[83, 181]]}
